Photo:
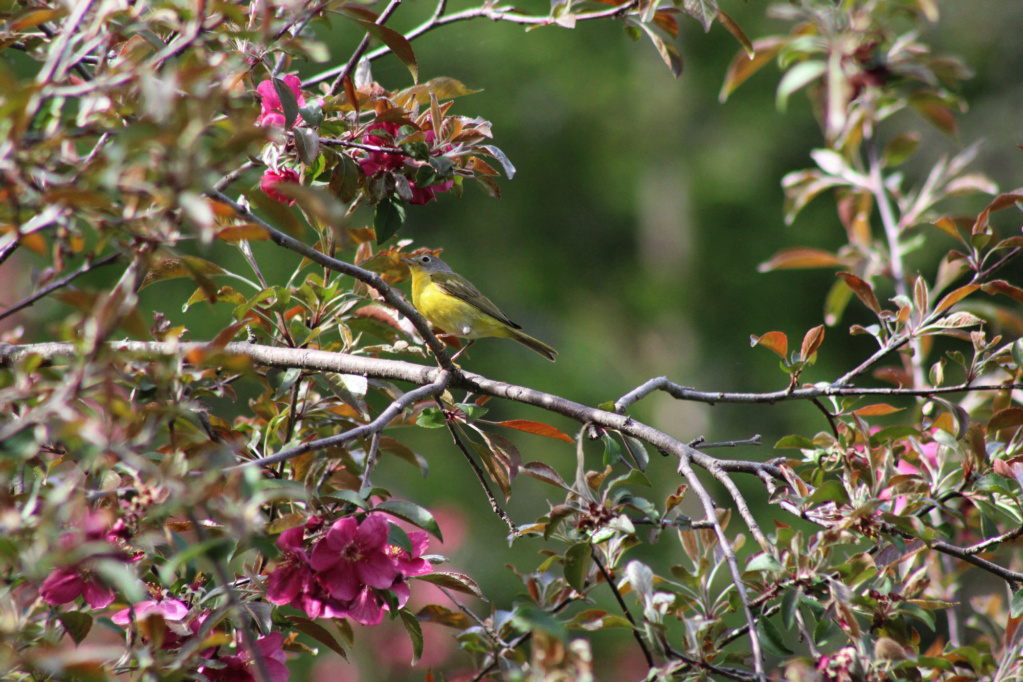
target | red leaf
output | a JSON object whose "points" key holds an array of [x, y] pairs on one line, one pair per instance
{"points": [[877, 410], [863, 291], [800, 258], [811, 342], [776, 341], [956, 296], [536, 428], [1000, 286]]}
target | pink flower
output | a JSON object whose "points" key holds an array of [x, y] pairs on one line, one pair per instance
{"points": [[367, 608], [239, 667], [424, 195], [272, 180], [65, 585], [272, 111], [412, 565], [352, 555], [376, 162], [170, 609]]}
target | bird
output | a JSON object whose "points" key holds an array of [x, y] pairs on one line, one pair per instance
{"points": [[452, 304]]}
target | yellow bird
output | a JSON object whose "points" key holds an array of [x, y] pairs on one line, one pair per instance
{"points": [[451, 303]]}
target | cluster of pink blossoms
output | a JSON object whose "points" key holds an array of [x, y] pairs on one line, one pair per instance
{"points": [[342, 572], [67, 583], [380, 162], [272, 115], [182, 625]]}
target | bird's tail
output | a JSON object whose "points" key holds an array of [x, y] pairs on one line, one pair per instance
{"points": [[531, 343]]}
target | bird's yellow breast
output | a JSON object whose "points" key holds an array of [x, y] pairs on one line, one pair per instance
{"points": [[448, 313]]}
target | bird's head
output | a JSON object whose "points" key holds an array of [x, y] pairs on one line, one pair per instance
{"points": [[424, 262]]}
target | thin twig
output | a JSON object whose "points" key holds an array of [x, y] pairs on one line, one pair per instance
{"points": [[480, 476], [686, 470], [59, 284], [382, 420], [621, 603]]}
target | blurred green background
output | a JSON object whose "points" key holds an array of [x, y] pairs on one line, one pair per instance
{"points": [[630, 237]]}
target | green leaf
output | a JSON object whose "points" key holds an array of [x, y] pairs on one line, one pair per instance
{"points": [[76, 624], [319, 633], [307, 144], [633, 477], [704, 11], [453, 581], [345, 178], [638, 452], [289, 104], [413, 513], [592, 620], [612, 451], [577, 565], [388, 218], [764, 562], [799, 76], [669, 53], [530, 618], [795, 441], [1016, 604], [431, 418], [771, 639], [415, 633], [900, 148], [829, 491]]}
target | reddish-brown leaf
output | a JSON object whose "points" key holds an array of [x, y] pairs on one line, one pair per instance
{"points": [[742, 66], [863, 291], [1000, 286], [789, 259], [776, 341], [244, 231], [1010, 417], [536, 428], [1005, 200], [811, 342], [948, 226], [877, 410], [956, 296]]}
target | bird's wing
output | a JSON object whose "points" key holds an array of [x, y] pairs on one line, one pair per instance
{"points": [[462, 289]]}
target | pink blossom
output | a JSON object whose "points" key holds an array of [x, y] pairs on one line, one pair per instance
{"points": [[272, 111], [351, 555], [424, 195], [239, 667], [412, 565], [65, 585], [375, 161], [272, 180], [170, 609], [367, 608]]}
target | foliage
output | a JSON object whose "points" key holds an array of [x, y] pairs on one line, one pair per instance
{"points": [[214, 498]]}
